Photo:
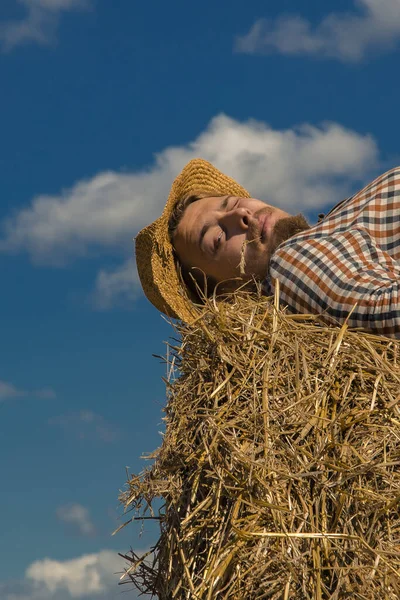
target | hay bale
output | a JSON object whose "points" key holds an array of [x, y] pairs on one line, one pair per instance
{"points": [[279, 470]]}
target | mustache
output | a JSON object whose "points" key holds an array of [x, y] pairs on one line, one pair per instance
{"points": [[254, 230], [283, 229]]}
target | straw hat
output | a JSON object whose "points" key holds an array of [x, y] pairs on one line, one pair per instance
{"points": [[154, 252]]}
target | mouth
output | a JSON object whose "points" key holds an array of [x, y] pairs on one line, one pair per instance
{"points": [[264, 225]]}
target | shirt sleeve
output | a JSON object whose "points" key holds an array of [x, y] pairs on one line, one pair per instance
{"points": [[330, 275]]}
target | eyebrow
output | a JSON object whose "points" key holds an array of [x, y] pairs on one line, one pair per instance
{"points": [[207, 225]]}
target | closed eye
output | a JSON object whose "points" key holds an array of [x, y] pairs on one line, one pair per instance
{"points": [[230, 203], [234, 205], [218, 240]]}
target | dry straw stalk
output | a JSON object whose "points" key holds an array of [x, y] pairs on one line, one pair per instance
{"points": [[279, 469]]}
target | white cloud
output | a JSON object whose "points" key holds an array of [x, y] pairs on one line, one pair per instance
{"points": [[57, 4], [102, 211], [88, 575], [8, 390], [87, 425], [118, 286], [91, 576], [299, 169], [348, 37], [78, 517], [40, 23], [45, 394]]}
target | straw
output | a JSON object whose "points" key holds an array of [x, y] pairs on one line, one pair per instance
{"points": [[279, 471]]}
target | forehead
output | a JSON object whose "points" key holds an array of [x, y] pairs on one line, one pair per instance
{"points": [[195, 217], [200, 210], [204, 199]]}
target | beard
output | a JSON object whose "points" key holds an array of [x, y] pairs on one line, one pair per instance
{"points": [[253, 268], [285, 229]]}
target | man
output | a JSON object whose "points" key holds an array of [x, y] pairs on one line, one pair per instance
{"points": [[211, 231]]}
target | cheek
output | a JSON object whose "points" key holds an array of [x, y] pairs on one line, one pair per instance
{"points": [[231, 257], [233, 250], [224, 267]]}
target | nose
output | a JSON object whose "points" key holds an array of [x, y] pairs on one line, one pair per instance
{"points": [[238, 218]]}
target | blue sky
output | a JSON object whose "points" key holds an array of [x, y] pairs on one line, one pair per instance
{"points": [[102, 103]]}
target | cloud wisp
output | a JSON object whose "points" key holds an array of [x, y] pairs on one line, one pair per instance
{"points": [[87, 425], [91, 576], [114, 287], [299, 169], [348, 36], [88, 575], [9, 390], [77, 517], [40, 24]]}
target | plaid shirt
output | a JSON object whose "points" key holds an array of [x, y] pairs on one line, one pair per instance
{"points": [[350, 258]]}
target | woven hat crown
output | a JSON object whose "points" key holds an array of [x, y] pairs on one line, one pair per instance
{"points": [[156, 262]]}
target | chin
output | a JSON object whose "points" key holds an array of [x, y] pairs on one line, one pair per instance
{"points": [[286, 228]]}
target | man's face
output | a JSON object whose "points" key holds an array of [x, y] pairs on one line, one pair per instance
{"points": [[228, 236]]}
